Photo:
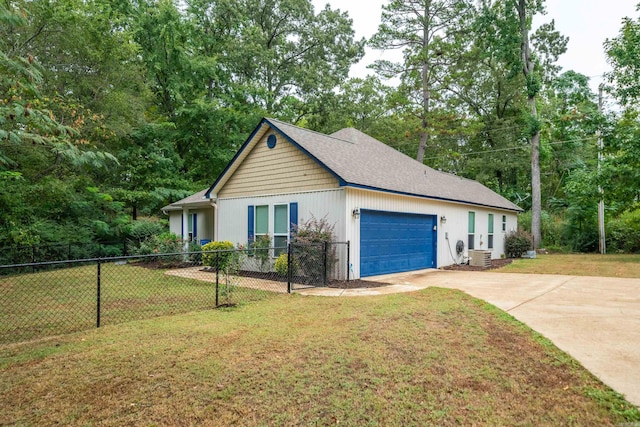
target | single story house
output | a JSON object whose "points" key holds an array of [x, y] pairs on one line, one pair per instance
{"points": [[398, 214]]}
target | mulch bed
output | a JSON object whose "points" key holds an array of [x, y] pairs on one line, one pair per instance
{"points": [[339, 284], [495, 263], [355, 283]]}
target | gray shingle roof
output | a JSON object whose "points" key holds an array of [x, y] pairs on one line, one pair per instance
{"points": [[198, 198], [362, 161]]}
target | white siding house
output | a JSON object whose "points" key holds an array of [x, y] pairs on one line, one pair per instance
{"points": [[397, 214]]}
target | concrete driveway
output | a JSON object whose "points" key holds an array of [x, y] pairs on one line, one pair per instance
{"points": [[594, 319]]}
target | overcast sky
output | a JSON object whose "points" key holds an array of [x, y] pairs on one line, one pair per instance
{"points": [[587, 23]]}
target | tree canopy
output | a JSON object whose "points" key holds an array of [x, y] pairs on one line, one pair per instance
{"points": [[112, 109]]}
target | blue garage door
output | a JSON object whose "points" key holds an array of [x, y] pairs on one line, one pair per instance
{"points": [[392, 242]]}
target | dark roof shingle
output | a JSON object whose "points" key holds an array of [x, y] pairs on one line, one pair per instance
{"points": [[362, 161]]}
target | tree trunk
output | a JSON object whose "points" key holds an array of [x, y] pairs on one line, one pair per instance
{"points": [[536, 200], [527, 70], [426, 95]]}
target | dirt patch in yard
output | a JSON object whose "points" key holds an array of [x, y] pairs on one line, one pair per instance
{"points": [[495, 264]]}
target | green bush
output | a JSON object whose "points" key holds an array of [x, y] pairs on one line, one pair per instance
{"points": [[225, 256], [282, 264], [165, 243], [145, 228], [314, 231], [261, 249], [309, 240], [624, 232], [551, 227], [516, 243]]}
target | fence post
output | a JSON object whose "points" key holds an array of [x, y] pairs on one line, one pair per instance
{"points": [[289, 264], [98, 296], [324, 262], [217, 276], [348, 258]]}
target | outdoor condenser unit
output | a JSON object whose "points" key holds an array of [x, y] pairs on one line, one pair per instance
{"points": [[480, 258]]}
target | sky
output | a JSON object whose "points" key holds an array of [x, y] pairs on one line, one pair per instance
{"points": [[587, 23]]}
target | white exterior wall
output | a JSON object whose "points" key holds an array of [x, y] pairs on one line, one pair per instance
{"points": [[175, 222], [455, 228], [337, 206], [233, 212]]}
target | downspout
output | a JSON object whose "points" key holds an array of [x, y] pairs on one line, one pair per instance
{"points": [[214, 205]]}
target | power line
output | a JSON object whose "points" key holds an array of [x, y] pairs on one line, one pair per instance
{"points": [[515, 148]]}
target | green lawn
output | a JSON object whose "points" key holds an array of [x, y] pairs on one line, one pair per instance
{"points": [[579, 265], [34, 305], [434, 357]]}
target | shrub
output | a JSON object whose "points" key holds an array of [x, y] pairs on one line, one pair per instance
{"points": [[225, 256], [516, 243], [144, 228], [282, 264], [314, 231], [624, 232], [165, 243], [551, 227], [309, 239], [261, 248], [197, 256]]}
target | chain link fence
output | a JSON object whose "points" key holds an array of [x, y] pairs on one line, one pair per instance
{"points": [[21, 254], [52, 298]]}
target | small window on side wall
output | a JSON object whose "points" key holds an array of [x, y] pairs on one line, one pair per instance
{"points": [[504, 223], [490, 232], [472, 231]]}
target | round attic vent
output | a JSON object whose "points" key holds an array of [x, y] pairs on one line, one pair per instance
{"points": [[271, 141]]}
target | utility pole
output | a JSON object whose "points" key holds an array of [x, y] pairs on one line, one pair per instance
{"points": [[602, 243]]}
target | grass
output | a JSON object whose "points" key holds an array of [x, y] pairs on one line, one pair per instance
{"points": [[579, 265], [434, 357], [45, 303]]}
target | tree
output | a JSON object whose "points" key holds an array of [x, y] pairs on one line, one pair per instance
{"points": [[286, 56], [24, 116], [359, 103], [525, 10], [428, 31], [487, 91], [623, 53], [572, 113]]}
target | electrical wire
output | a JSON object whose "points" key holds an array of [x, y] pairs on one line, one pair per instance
{"points": [[515, 148]]}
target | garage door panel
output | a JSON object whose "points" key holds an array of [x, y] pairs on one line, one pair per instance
{"points": [[393, 242]]}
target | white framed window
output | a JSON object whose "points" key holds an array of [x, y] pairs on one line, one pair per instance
{"points": [[490, 232], [472, 231], [262, 220], [280, 228], [276, 221]]}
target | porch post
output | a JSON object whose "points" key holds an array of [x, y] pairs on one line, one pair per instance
{"points": [[214, 205], [185, 228]]}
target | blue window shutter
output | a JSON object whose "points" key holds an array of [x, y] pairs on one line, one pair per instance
{"points": [[293, 216], [250, 224], [195, 227]]}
